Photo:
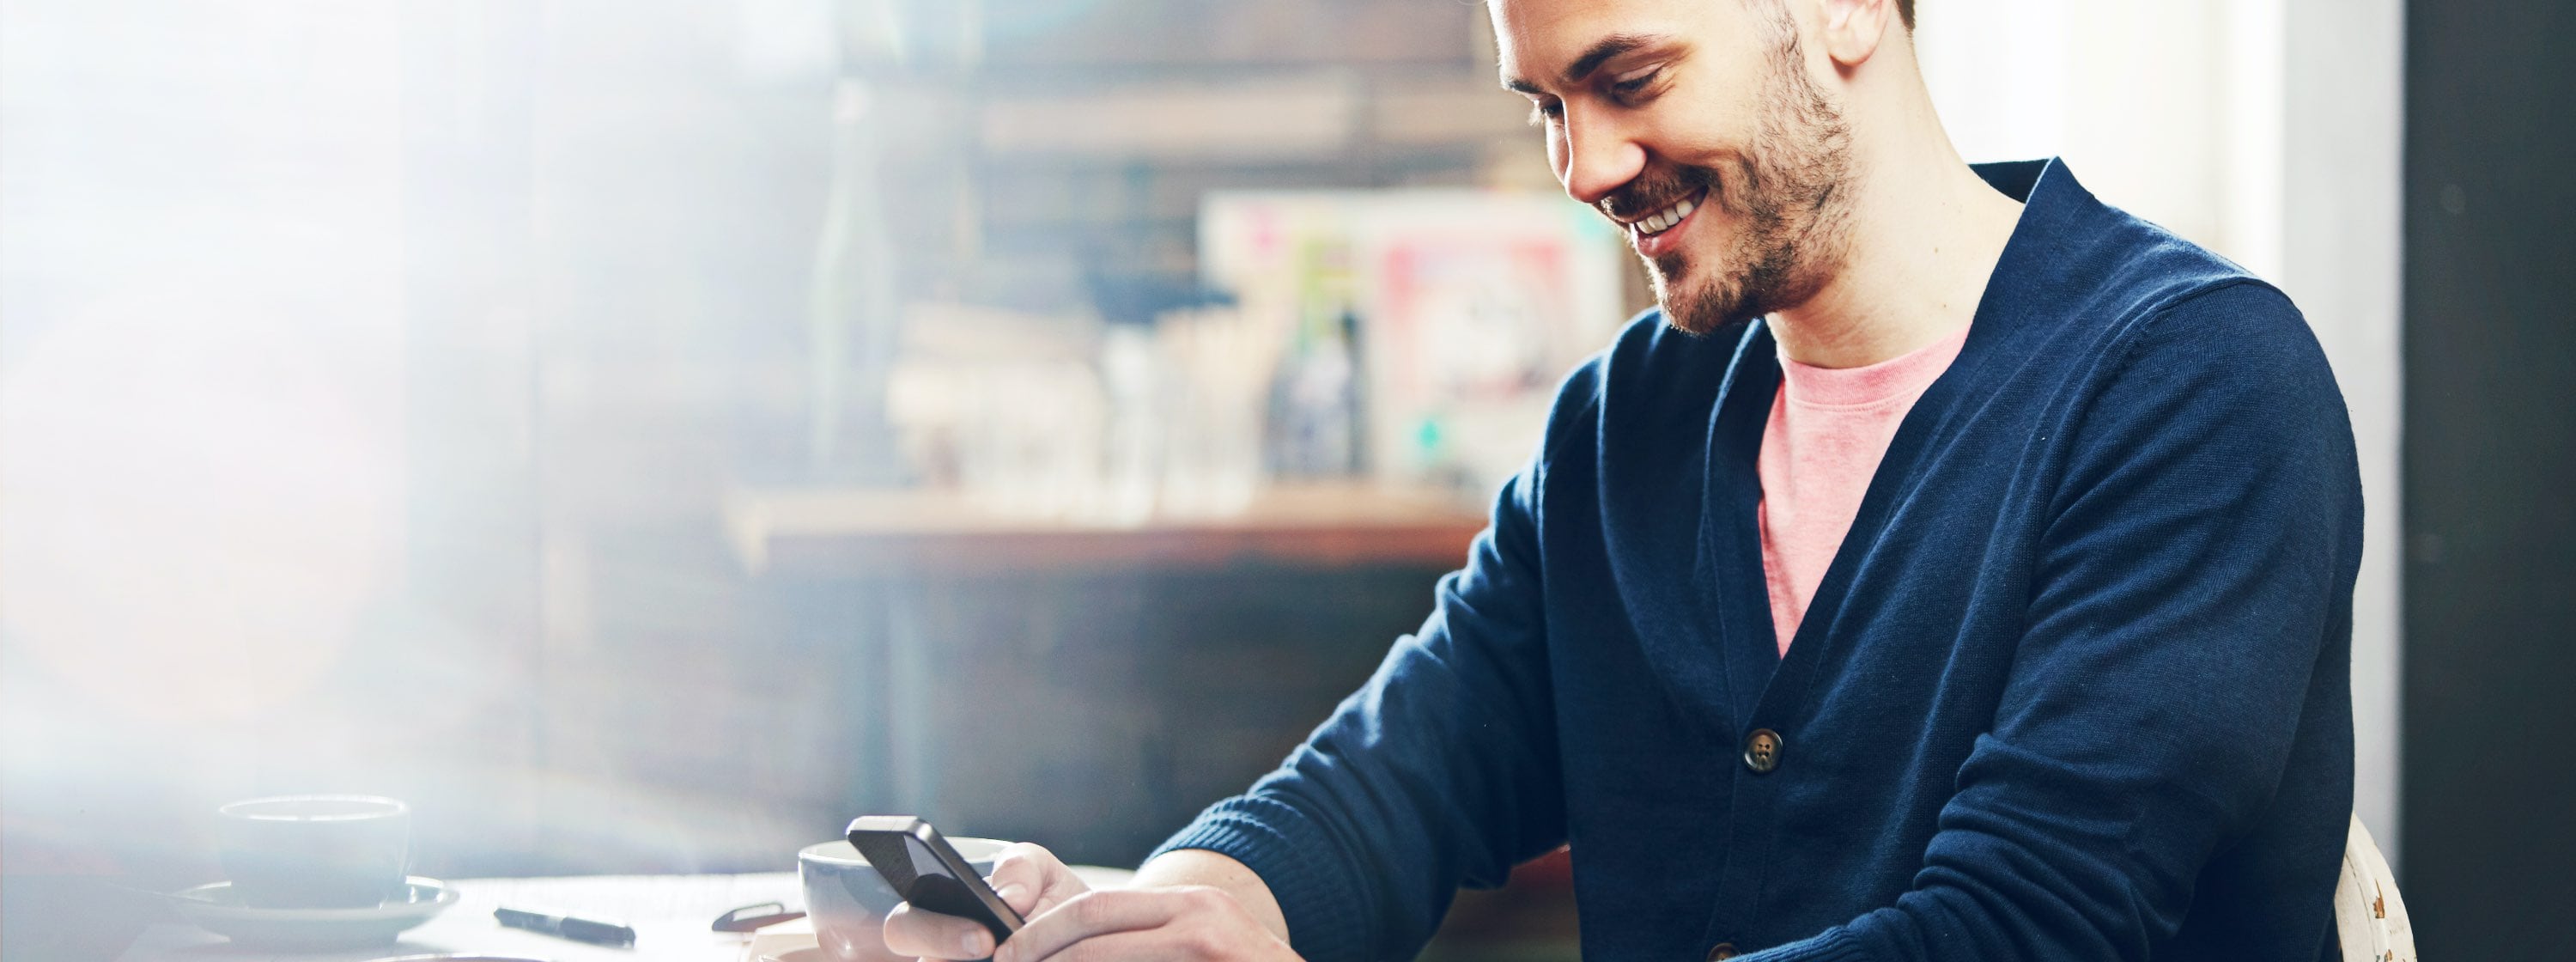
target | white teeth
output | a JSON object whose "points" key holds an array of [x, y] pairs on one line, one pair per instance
{"points": [[1664, 220]]}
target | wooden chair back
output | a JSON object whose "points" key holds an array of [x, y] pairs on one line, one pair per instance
{"points": [[2370, 919]]}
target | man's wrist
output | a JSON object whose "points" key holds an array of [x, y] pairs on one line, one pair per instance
{"points": [[1198, 866]]}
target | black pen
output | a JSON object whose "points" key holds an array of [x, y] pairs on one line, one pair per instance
{"points": [[578, 930]]}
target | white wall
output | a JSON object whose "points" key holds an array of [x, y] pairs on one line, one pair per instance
{"points": [[2267, 130], [2343, 156]]}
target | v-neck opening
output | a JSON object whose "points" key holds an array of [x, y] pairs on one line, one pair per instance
{"points": [[1760, 676]]}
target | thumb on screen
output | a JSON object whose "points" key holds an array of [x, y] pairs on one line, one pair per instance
{"points": [[1032, 880]]}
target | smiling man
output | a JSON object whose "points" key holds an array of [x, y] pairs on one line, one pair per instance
{"points": [[1953, 567]]}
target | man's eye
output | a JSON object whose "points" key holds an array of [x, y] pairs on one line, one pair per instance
{"points": [[1546, 112], [1628, 87]]}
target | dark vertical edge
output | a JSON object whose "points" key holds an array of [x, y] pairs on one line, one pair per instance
{"points": [[2489, 783]]}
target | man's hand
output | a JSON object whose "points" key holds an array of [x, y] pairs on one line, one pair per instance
{"points": [[1068, 922]]}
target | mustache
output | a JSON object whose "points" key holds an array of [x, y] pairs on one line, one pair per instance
{"points": [[1657, 190]]}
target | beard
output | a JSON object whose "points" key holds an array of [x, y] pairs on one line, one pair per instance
{"points": [[1786, 195]]}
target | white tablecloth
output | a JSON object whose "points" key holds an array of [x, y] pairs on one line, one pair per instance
{"points": [[672, 915]]}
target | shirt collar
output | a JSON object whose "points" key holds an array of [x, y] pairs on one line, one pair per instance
{"points": [[2018, 179]]}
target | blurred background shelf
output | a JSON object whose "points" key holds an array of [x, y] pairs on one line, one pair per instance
{"points": [[853, 532], [1076, 678]]}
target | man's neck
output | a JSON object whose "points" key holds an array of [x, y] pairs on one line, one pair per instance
{"points": [[1924, 237]]}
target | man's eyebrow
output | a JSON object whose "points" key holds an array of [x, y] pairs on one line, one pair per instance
{"points": [[1592, 59]]}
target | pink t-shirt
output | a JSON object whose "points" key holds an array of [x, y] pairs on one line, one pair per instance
{"points": [[1829, 428]]}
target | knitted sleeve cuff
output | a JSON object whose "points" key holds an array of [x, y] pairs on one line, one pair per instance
{"points": [[1319, 890], [1835, 945]]}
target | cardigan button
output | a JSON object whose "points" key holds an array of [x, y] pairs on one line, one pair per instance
{"points": [[1721, 952], [1762, 750]]}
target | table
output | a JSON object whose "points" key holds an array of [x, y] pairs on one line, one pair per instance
{"points": [[671, 914]]}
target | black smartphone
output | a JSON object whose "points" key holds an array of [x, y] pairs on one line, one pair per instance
{"points": [[929, 874]]}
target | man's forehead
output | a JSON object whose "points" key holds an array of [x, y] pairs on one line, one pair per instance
{"points": [[1540, 39]]}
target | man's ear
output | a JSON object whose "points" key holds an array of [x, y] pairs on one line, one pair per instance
{"points": [[1854, 28]]}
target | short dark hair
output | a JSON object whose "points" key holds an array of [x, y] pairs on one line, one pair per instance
{"points": [[1905, 12]]}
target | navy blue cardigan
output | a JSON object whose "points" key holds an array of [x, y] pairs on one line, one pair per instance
{"points": [[2074, 687]]}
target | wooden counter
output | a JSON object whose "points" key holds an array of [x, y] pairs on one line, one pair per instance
{"points": [[856, 532]]}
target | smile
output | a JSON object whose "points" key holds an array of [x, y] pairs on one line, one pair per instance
{"points": [[1649, 233], [1662, 220]]}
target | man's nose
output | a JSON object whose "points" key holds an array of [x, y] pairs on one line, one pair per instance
{"points": [[1599, 156]]}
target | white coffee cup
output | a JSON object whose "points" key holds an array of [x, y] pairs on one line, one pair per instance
{"points": [[848, 901]]}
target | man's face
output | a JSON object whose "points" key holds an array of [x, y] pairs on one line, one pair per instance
{"points": [[1695, 125]]}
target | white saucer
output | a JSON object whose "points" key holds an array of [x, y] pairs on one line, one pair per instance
{"points": [[218, 909]]}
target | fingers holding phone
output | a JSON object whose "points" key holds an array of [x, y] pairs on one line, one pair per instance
{"points": [[1188, 922], [1033, 880], [1034, 909], [1030, 879]]}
